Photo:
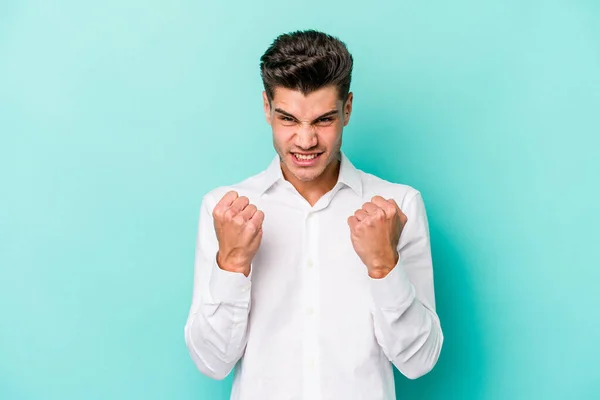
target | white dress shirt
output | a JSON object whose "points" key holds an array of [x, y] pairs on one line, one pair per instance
{"points": [[308, 322]]}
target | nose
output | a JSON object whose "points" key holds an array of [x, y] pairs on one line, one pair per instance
{"points": [[306, 138]]}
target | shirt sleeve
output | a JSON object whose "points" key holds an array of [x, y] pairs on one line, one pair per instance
{"points": [[406, 325], [216, 327]]}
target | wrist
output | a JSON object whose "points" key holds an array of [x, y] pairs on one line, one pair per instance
{"points": [[233, 266], [380, 268]]}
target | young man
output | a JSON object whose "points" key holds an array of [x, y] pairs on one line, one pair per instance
{"points": [[312, 277]]}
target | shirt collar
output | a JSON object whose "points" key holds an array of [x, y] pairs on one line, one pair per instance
{"points": [[348, 175]]}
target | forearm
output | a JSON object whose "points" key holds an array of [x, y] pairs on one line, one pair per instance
{"points": [[216, 329], [408, 331]]}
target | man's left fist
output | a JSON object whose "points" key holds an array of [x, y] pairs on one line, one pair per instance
{"points": [[375, 230]]}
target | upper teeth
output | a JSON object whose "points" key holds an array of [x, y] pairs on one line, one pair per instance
{"points": [[303, 157]]}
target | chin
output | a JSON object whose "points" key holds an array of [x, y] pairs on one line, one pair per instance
{"points": [[308, 176]]}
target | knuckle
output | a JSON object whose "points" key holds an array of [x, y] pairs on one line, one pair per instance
{"points": [[230, 196], [252, 227], [229, 214], [238, 220]]}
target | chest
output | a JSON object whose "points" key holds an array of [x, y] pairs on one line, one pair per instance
{"points": [[306, 253]]}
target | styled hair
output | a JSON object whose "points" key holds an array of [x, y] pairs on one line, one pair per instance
{"points": [[306, 61]]}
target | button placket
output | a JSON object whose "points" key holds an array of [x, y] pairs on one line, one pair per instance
{"points": [[311, 303]]}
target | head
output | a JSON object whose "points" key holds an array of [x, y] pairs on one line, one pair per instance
{"points": [[307, 100]]}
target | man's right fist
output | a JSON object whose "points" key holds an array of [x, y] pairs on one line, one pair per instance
{"points": [[238, 225]]}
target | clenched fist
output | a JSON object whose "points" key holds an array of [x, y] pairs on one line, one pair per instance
{"points": [[375, 230], [238, 225]]}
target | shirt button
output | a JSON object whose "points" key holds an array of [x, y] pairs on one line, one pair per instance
{"points": [[311, 363], [245, 288], [310, 263], [310, 311]]}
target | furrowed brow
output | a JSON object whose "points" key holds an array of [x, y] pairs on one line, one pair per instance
{"points": [[283, 112]]}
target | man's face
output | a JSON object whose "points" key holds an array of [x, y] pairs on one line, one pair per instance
{"points": [[307, 130]]}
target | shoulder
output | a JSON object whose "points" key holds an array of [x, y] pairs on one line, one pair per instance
{"points": [[375, 186]]}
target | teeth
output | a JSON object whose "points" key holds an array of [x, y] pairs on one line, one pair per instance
{"points": [[303, 157]]}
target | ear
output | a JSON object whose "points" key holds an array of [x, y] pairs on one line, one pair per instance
{"points": [[348, 108], [266, 107]]}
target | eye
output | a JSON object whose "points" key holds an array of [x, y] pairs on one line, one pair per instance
{"points": [[286, 120], [325, 121]]}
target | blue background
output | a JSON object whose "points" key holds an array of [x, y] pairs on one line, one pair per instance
{"points": [[117, 116]]}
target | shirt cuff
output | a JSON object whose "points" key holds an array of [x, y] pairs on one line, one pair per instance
{"points": [[394, 290], [229, 287]]}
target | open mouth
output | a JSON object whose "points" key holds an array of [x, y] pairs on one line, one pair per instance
{"points": [[306, 158]]}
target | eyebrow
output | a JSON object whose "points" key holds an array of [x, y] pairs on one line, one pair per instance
{"points": [[287, 114]]}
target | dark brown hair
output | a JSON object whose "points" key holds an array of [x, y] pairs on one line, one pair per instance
{"points": [[306, 61]]}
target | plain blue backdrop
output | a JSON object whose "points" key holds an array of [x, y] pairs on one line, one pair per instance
{"points": [[117, 116]]}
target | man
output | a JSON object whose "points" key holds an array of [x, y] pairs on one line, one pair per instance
{"points": [[312, 277]]}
